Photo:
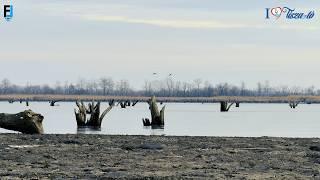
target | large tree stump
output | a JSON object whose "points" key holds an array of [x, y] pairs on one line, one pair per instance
{"points": [[81, 114], [157, 117], [93, 110], [224, 107], [26, 122]]}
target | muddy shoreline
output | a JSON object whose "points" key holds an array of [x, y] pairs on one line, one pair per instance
{"points": [[107, 156]]}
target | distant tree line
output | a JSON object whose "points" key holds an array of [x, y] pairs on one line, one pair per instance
{"points": [[166, 87]]}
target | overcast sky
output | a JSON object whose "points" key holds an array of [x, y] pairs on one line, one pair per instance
{"points": [[220, 41]]}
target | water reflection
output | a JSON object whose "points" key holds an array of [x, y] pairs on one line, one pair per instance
{"points": [[153, 127], [157, 126], [154, 130], [88, 130], [185, 119]]}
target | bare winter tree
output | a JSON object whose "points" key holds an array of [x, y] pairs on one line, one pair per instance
{"points": [[242, 89], [170, 85], [259, 88], [5, 85], [164, 87], [148, 88], [197, 82], [185, 87], [106, 85], [123, 87]]}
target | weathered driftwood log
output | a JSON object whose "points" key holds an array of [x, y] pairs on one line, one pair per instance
{"points": [[293, 104], [26, 122], [157, 117], [93, 110], [224, 107]]}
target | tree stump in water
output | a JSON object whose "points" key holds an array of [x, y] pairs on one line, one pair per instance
{"points": [[123, 105], [146, 122], [293, 104], [26, 122], [52, 103], [157, 118], [134, 103], [93, 110], [111, 103], [237, 104], [224, 107]]}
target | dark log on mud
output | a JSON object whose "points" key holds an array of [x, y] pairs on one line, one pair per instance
{"points": [[224, 107], [93, 110], [26, 122], [157, 117]]}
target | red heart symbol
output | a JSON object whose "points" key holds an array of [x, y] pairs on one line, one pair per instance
{"points": [[277, 11]]}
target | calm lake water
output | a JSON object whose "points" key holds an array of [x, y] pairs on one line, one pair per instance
{"points": [[186, 119]]}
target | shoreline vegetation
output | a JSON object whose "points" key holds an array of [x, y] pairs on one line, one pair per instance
{"points": [[167, 87], [52, 156], [215, 99]]}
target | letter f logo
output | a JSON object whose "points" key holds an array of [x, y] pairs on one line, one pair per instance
{"points": [[8, 12]]}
